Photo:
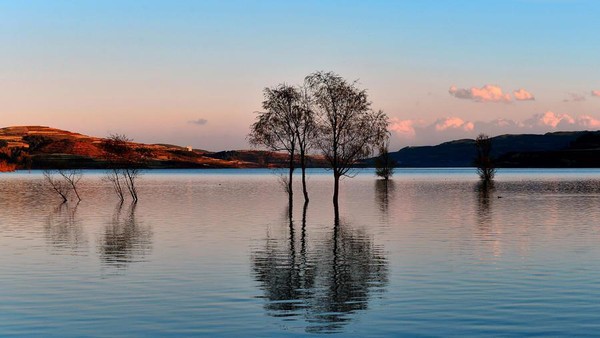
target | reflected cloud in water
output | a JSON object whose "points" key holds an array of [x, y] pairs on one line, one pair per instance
{"points": [[324, 281], [124, 241]]}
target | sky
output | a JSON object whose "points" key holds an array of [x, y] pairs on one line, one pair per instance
{"points": [[192, 72]]}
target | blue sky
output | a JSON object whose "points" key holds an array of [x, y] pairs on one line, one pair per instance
{"points": [[148, 68]]}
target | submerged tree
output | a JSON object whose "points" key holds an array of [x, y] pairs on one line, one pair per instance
{"points": [[125, 165], [72, 177], [384, 164], [59, 186], [348, 129], [483, 161], [285, 125], [63, 181]]}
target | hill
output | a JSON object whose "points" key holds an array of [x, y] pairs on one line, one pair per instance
{"points": [[551, 150], [39, 147]]}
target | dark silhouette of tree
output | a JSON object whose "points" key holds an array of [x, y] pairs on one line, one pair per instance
{"points": [[384, 164], [306, 132], [483, 159], [348, 129], [125, 164], [285, 125]]}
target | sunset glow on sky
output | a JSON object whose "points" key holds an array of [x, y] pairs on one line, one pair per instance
{"points": [[192, 72]]}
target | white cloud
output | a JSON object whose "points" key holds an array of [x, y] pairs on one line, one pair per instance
{"points": [[596, 93]]}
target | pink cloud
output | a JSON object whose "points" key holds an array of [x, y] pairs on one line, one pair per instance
{"points": [[523, 95], [588, 122], [420, 132], [403, 128], [549, 119], [596, 93], [453, 123], [487, 93]]}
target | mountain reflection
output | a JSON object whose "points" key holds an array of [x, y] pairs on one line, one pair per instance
{"points": [[324, 282], [64, 231], [124, 241]]}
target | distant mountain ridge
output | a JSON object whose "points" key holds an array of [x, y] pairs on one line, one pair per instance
{"points": [[41, 147], [551, 150]]}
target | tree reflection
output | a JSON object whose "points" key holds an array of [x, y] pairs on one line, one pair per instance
{"points": [[326, 282], [124, 241], [384, 190], [64, 230], [284, 271], [484, 191]]}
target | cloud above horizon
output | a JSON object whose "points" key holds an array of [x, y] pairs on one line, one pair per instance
{"points": [[490, 93], [420, 132], [487, 93], [523, 95], [596, 93], [199, 122]]}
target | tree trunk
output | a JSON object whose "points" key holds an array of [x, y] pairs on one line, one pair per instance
{"points": [[336, 189], [303, 165], [290, 182]]}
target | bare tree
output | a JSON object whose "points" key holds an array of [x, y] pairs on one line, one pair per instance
{"points": [[275, 128], [483, 161], [72, 177], [384, 164], [125, 165], [59, 186], [348, 128]]}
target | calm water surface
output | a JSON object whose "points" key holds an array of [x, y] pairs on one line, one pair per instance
{"points": [[214, 253]]}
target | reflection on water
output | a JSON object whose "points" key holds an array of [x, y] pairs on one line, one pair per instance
{"points": [[64, 229], [326, 282], [384, 191], [484, 202], [124, 240], [214, 253]]}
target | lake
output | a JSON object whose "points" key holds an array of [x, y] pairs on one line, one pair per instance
{"points": [[214, 253]]}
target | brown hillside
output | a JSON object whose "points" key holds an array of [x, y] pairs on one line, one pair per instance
{"points": [[41, 147]]}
